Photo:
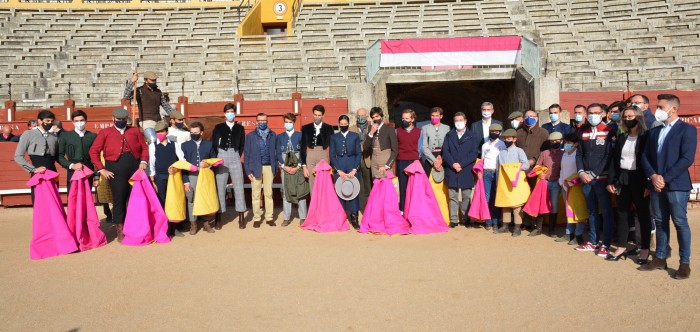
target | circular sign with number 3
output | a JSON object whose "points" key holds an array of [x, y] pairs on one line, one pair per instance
{"points": [[280, 8]]}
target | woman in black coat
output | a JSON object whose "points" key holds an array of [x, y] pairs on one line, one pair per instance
{"points": [[627, 179]]}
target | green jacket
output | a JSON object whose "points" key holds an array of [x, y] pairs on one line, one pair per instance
{"points": [[74, 149], [295, 185]]}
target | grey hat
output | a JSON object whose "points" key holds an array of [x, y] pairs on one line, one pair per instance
{"points": [[555, 136], [509, 133], [151, 75], [495, 127], [120, 113], [176, 115], [161, 126], [514, 115], [347, 189], [438, 176]]}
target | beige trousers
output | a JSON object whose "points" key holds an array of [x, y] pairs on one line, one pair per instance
{"points": [[264, 183]]}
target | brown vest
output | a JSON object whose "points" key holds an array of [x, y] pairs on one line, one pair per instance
{"points": [[149, 103]]}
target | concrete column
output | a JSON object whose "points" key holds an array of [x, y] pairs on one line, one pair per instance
{"points": [[360, 95]]}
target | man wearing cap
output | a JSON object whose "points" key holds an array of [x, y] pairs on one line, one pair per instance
{"points": [[489, 154], [125, 151], [551, 158], [345, 155], [178, 131], [361, 128], [162, 154], [481, 128], [459, 152], [149, 99]]}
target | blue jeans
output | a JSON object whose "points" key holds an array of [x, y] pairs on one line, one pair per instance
{"points": [[490, 189], [576, 229], [597, 197], [671, 204], [554, 189]]}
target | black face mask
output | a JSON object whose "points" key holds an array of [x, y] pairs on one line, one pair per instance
{"points": [[494, 135], [46, 126], [405, 123], [344, 128], [508, 143], [555, 146], [631, 123], [121, 124], [179, 125], [195, 137], [153, 85], [378, 121]]}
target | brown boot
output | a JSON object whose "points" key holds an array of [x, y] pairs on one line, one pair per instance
{"points": [[120, 232], [271, 223], [257, 224], [217, 221], [193, 227], [241, 223], [207, 226], [683, 272], [286, 223], [655, 264]]}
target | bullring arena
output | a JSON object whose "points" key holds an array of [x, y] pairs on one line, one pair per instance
{"points": [[279, 56]]}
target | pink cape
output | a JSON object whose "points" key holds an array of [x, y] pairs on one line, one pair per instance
{"points": [[539, 202], [421, 209], [50, 233], [145, 220], [82, 216], [325, 212], [382, 213], [479, 209]]}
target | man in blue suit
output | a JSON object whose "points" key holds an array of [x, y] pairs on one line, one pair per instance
{"points": [[346, 155], [669, 153], [480, 129], [261, 166], [642, 102], [195, 151], [459, 152]]}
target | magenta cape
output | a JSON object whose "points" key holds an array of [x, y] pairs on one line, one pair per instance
{"points": [[50, 233], [421, 209], [325, 212], [382, 213], [479, 209], [539, 202], [145, 220], [82, 216]]}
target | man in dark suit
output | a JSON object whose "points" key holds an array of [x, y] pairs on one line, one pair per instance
{"points": [[642, 102], [125, 151], [73, 147], [315, 138], [480, 129], [669, 153], [381, 141], [346, 156], [195, 151], [459, 152]]}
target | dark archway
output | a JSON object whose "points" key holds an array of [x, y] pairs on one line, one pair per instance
{"points": [[453, 97]]}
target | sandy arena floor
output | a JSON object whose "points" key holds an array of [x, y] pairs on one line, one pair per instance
{"points": [[287, 279]]}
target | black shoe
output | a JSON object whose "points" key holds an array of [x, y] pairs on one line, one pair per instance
{"points": [[611, 257], [453, 224]]}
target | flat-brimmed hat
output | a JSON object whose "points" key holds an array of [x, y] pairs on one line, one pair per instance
{"points": [[438, 176], [176, 115], [514, 115], [510, 133], [347, 189], [555, 136], [496, 127], [120, 113], [151, 75]]}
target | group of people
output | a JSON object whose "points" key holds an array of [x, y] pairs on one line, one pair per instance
{"points": [[486, 175]]}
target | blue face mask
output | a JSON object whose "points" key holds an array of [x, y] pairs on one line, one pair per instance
{"points": [[578, 117], [230, 116], [554, 117], [615, 117], [121, 124], [262, 126], [530, 121], [508, 143], [289, 126], [568, 147], [594, 119]]}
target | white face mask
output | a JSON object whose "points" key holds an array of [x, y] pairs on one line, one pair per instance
{"points": [[80, 125], [486, 115], [661, 115], [460, 125], [515, 124]]}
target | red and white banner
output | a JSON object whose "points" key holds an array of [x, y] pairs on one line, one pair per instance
{"points": [[450, 52]]}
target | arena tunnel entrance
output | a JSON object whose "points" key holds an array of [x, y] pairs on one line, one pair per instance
{"points": [[507, 93]]}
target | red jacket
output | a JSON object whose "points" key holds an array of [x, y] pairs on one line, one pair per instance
{"points": [[110, 141]]}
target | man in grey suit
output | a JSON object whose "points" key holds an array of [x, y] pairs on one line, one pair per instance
{"points": [[433, 137], [481, 128]]}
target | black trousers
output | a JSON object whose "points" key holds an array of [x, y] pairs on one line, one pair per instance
{"points": [[42, 161], [123, 169], [633, 194]]}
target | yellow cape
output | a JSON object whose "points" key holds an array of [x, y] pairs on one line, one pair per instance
{"points": [[442, 196], [206, 201], [576, 202], [175, 203], [508, 194]]}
